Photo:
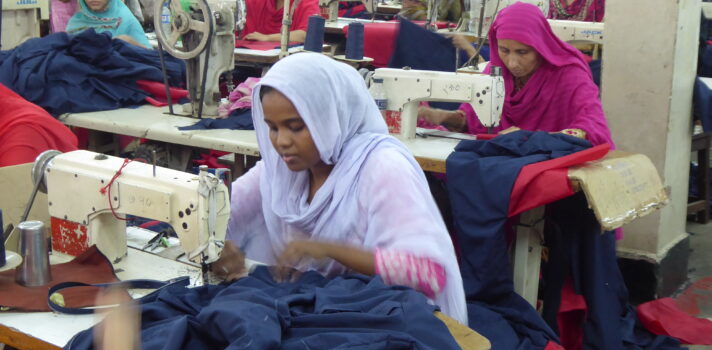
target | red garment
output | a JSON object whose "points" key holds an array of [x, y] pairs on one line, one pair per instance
{"points": [[571, 317], [559, 95], [546, 182], [379, 40], [158, 93], [553, 346], [263, 17], [664, 317], [26, 130]]}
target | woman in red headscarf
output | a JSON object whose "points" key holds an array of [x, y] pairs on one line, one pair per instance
{"points": [[548, 83], [26, 130]]}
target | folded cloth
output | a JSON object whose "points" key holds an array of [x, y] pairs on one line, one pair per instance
{"points": [[664, 317], [240, 119], [90, 267]]}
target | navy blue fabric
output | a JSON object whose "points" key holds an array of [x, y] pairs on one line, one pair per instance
{"points": [[239, 119], [579, 249], [83, 73], [480, 179], [484, 53], [702, 101], [481, 175], [347, 312], [419, 48], [510, 324], [595, 66]]}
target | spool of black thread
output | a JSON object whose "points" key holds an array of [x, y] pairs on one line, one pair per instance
{"points": [[354, 41], [315, 34]]}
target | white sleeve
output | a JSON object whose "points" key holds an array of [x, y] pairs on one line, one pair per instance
{"points": [[246, 218]]}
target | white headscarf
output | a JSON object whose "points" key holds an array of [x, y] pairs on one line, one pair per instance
{"points": [[347, 128]]}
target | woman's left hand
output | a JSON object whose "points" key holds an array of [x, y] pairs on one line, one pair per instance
{"points": [[257, 36]]}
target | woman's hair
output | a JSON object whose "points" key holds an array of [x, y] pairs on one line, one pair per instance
{"points": [[264, 90]]}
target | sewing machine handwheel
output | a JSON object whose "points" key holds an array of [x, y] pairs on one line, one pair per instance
{"points": [[182, 23], [40, 166]]}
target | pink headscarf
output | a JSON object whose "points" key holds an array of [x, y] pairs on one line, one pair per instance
{"points": [[561, 93]]}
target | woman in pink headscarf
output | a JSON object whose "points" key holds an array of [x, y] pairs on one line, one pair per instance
{"points": [[548, 82]]}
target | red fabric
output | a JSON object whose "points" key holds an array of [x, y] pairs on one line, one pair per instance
{"points": [[211, 159], [559, 95], [664, 317], [570, 318], [553, 346], [263, 17], [546, 182], [356, 9], [26, 130], [158, 91], [261, 45], [379, 40]]}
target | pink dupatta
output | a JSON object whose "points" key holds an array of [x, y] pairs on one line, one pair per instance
{"points": [[560, 95]]}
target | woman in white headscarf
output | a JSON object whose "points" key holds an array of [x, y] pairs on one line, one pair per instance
{"points": [[334, 192]]}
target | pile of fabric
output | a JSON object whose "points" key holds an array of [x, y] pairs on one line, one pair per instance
{"points": [[83, 73]]}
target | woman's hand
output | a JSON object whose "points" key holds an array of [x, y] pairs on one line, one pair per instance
{"points": [[257, 36], [294, 253], [231, 264], [121, 328], [508, 130], [461, 42]]}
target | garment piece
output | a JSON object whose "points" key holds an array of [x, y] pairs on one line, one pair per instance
{"points": [[241, 97], [702, 97], [361, 202], [157, 93], [60, 14], [263, 16], [578, 10], [546, 182], [240, 119], [579, 251], [117, 20], [403, 269], [481, 175], [255, 312], [26, 130], [664, 317], [378, 41], [352, 9], [90, 267], [83, 73], [418, 48], [559, 95]]}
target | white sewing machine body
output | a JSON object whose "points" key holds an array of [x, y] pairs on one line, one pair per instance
{"points": [[21, 21], [196, 206], [406, 88], [577, 31]]}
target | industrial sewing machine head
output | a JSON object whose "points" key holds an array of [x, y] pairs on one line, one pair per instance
{"points": [[202, 34], [87, 191], [333, 7], [404, 89]]}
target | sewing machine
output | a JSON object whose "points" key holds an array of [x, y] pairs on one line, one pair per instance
{"points": [[406, 88], [87, 191], [333, 6], [21, 21], [206, 45]]}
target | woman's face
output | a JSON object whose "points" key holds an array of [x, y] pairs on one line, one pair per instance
{"points": [[288, 133], [97, 5], [521, 60]]}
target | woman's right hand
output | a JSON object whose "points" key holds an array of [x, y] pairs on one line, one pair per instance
{"points": [[231, 264], [461, 42]]}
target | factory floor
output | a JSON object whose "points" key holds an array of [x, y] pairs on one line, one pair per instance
{"points": [[696, 297]]}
